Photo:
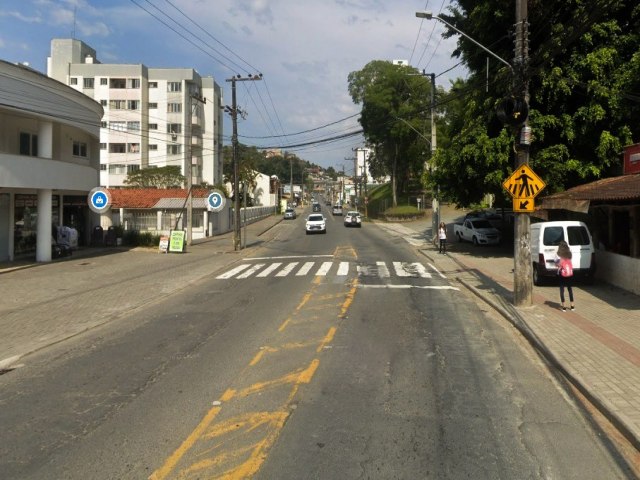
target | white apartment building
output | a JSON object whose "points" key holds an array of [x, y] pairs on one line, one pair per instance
{"points": [[153, 117]]}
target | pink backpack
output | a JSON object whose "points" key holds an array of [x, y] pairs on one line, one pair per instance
{"points": [[566, 268]]}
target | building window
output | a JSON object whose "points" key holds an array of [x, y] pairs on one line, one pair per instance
{"points": [[174, 128], [174, 149], [153, 126], [103, 124], [152, 105], [134, 83], [118, 83], [153, 84], [28, 144], [118, 104], [132, 168], [133, 104], [174, 107], [133, 125], [88, 83], [79, 149], [174, 86], [73, 81], [117, 148], [133, 147], [103, 103], [153, 147], [118, 126], [104, 81], [103, 146], [103, 167], [117, 169]]}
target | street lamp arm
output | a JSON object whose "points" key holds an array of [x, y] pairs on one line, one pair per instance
{"points": [[414, 129], [428, 15]]}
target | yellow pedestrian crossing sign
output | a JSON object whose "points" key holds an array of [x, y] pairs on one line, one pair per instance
{"points": [[523, 183]]}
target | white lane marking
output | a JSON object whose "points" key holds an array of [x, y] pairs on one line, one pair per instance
{"points": [[405, 287], [267, 271], [305, 269], [364, 271], [343, 269], [287, 257], [400, 270], [251, 271], [406, 269], [324, 268], [233, 271], [287, 270], [383, 271]]}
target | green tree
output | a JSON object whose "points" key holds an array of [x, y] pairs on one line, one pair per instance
{"points": [[584, 79], [161, 177], [394, 105]]}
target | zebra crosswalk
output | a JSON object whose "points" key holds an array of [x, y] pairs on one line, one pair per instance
{"points": [[378, 269]]}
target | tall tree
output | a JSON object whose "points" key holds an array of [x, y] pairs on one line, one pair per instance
{"points": [[394, 101], [584, 79]]}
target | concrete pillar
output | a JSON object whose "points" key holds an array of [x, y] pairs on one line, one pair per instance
{"points": [[159, 220], [45, 139], [43, 244]]}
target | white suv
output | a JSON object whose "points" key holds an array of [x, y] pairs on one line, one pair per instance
{"points": [[315, 223]]}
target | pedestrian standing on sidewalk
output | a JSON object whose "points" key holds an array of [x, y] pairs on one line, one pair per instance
{"points": [[565, 273], [442, 235]]}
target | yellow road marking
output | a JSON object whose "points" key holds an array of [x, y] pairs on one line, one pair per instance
{"points": [[327, 339], [297, 377]]}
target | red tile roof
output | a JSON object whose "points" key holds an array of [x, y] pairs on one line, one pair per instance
{"points": [[148, 197], [623, 188]]}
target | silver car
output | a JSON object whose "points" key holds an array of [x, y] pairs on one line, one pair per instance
{"points": [[289, 214]]}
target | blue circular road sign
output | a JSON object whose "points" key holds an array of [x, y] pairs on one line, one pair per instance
{"points": [[215, 201], [99, 200]]}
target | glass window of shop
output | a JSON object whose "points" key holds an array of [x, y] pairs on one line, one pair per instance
{"points": [[26, 221]]}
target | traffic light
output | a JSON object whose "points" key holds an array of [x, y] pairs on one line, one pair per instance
{"points": [[513, 111]]}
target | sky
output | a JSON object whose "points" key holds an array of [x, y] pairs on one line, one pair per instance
{"points": [[304, 49]]}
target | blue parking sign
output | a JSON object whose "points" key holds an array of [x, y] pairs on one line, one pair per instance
{"points": [[99, 200]]}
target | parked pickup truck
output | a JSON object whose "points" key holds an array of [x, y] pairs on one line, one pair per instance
{"points": [[478, 231]]}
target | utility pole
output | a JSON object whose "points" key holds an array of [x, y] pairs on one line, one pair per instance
{"points": [[188, 153], [523, 280], [234, 140]]}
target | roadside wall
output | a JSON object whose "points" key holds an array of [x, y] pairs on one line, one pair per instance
{"points": [[618, 270]]}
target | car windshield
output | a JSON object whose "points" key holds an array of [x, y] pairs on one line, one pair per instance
{"points": [[352, 214], [315, 218], [481, 224], [289, 210]]}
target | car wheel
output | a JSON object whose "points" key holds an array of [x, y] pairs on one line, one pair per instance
{"points": [[459, 237], [475, 241], [537, 279]]}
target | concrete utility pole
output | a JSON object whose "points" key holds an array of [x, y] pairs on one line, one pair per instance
{"points": [[188, 142], [234, 140], [523, 280]]}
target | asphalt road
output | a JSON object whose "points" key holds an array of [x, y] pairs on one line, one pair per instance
{"points": [[337, 356]]}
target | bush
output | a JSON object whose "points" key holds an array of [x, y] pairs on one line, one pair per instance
{"points": [[134, 238]]}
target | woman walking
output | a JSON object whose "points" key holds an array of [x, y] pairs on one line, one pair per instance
{"points": [[442, 235], [565, 273]]}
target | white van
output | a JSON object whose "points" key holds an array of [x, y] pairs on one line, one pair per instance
{"points": [[545, 238]]}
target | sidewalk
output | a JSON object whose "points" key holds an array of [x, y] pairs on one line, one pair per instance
{"points": [[596, 347]]}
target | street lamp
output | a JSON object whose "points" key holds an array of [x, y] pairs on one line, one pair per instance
{"points": [[428, 15]]}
